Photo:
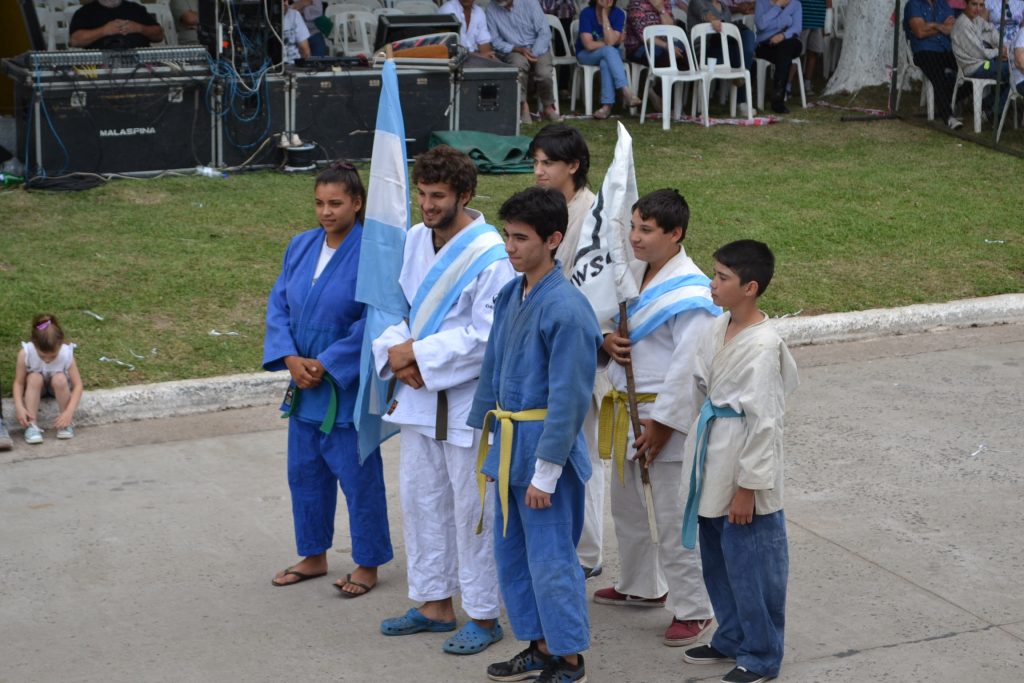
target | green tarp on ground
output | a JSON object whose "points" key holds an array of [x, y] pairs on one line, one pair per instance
{"points": [[491, 153]]}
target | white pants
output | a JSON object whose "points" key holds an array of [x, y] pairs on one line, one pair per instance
{"points": [[440, 511], [648, 570], [589, 549]]}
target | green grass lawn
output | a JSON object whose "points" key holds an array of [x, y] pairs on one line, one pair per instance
{"points": [[859, 215]]}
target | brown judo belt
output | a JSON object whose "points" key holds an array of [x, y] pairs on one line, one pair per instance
{"points": [[441, 424]]}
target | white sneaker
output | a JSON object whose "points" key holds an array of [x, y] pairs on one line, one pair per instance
{"points": [[954, 123], [33, 434], [66, 432], [743, 109], [5, 439]]}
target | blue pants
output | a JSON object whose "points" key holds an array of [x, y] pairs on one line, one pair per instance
{"points": [[997, 70], [540, 576], [317, 45], [745, 570], [317, 463], [613, 72]]}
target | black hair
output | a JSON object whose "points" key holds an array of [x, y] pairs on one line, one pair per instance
{"points": [[444, 164], [560, 142], [542, 208], [667, 207], [750, 260], [593, 4], [344, 173]]}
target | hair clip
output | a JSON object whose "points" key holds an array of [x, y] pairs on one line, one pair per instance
{"points": [[43, 325]]}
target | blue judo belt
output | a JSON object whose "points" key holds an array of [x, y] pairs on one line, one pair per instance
{"points": [[708, 414]]}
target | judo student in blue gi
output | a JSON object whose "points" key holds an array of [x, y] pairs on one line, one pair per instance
{"points": [[741, 378], [535, 389], [315, 330]]}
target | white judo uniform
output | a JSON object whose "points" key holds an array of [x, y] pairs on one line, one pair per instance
{"points": [[590, 547], [438, 486], [649, 570]]}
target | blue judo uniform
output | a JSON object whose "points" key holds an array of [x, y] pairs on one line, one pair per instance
{"points": [[323, 320], [542, 353]]}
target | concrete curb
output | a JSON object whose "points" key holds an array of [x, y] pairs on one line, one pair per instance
{"points": [[193, 396]]}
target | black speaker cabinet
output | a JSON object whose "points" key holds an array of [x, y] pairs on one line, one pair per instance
{"points": [[488, 97], [122, 125], [249, 119], [338, 109]]}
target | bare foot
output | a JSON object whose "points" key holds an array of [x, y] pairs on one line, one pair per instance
{"points": [[309, 567], [438, 610], [362, 575]]}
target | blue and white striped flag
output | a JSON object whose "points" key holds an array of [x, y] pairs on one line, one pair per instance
{"points": [[380, 257]]}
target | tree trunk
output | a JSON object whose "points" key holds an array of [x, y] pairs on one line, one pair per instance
{"points": [[866, 54]]}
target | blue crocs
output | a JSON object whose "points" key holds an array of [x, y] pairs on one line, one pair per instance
{"points": [[413, 622], [473, 638]]}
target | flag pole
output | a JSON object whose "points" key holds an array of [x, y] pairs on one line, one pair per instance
{"points": [[634, 417]]}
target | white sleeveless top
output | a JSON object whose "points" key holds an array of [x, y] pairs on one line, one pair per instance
{"points": [[33, 363]]}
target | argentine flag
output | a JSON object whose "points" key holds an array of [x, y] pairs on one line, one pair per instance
{"points": [[380, 257]]}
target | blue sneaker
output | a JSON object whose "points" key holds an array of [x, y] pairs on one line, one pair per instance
{"points": [[560, 671], [33, 434], [529, 663]]}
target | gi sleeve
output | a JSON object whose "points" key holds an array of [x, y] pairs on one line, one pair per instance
{"points": [[341, 358], [278, 342], [677, 402], [452, 356], [392, 336], [763, 405]]}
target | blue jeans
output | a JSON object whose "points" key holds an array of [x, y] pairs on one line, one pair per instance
{"points": [[613, 72], [317, 45], [746, 568], [998, 70]]}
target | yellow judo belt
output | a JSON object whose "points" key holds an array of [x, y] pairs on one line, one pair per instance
{"points": [[505, 419], [613, 427]]}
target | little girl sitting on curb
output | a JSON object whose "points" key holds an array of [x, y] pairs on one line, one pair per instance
{"points": [[46, 367]]}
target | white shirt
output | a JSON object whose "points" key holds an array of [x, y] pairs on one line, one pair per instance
{"points": [[470, 36], [33, 363], [326, 253], [1016, 74], [294, 32]]}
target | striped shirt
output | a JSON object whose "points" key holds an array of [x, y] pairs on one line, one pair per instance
{"points": [[524, 25], [814, 13]]}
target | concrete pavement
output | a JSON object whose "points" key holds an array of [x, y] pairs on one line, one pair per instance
{"points": [[144, 551]]}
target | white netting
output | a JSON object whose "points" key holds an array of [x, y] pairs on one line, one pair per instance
{"points": [[866, 53]]}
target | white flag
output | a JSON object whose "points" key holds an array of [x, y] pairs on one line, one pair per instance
{"points": [[601, 264]]}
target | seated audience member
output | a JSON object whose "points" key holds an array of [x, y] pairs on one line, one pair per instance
{"points": [[186, 17], [975, 43], [601, 31], [113, 24], [928, 24], [521, 36], [1018, 63], [716, 13], [295, 35], [779, 23], [311, 10], [473, 33], [813, 36], [639, 15]]}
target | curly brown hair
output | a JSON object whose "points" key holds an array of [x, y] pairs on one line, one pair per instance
{"points": [[444, 164]]}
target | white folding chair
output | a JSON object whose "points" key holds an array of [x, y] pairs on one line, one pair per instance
{"points": [[1014, 97], [978, 86], [353, 30], [672, 75], [163, 15], [584, 72], [725, 70], [569, 59]]}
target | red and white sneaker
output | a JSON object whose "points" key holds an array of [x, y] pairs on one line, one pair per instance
{"points": [[610, 596], [681, 633]]}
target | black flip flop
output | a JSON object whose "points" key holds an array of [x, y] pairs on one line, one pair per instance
{"points": [[292, 572], [346, 594]]}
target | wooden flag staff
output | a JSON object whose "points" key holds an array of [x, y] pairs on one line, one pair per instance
{"points": [[634, 417]]}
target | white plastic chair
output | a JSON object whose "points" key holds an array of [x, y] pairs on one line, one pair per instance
{"points": [[764, 66], [1013, 97], [908, 72], [386, 10], [679, 16], [163, 15], [416, 7], [366, 5], [353, 30], [672, 75], [978, 86], [569, 59], [584, 72], [45, 17], [725, 70], [62, 26]]}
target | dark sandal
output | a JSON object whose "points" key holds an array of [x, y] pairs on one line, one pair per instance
{"points": [[292, 572], [348, 580]]}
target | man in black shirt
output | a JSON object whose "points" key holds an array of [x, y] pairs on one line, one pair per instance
{"points": [[113, 24]]}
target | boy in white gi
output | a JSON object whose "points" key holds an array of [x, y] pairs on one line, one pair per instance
{"points": [[453, 266], [673, 312], [742, 377], [535, 387]]}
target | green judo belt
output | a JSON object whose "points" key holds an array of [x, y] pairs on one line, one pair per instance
{"points": [[291, 399]]}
